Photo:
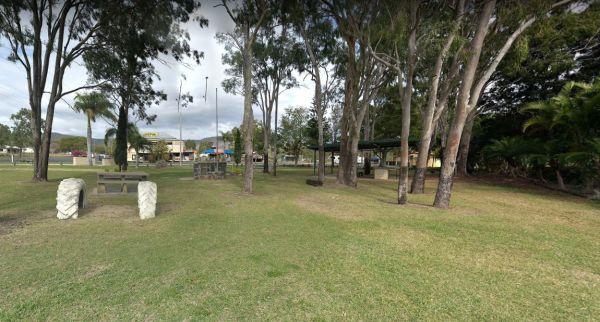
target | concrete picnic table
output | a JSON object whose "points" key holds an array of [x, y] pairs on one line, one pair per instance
{"points": [[120, 178]]}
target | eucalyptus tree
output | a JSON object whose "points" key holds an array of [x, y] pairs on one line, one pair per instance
{"points": [[139, 34], [320, 45], [45, 38], [275, 53], [6, 139], [402, 31], [249, 17], [437, 101], [363, 76], [22, 130], [5, 134], [293, 131], [561, 48], [510, 20], [93, 105]]}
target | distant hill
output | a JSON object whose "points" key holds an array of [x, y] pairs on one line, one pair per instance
{"points": [[57, 136]]}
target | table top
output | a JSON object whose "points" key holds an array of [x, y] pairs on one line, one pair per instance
{"points": [[122, 174]]}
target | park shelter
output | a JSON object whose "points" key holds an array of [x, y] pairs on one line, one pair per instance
{"points": [[382, 145]]}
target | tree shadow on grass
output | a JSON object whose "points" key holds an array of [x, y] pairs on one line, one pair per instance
{"points": [[9, 223]]}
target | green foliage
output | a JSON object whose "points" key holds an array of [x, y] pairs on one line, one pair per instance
{"points": [[555, 50], [204, 145], [237, 145], [159, 151], [124, 52], [293, 130], [136, 141], [100, 149], [312, 131], [93, 105], [190, 145], [5, 135], [563, 133], [22, 134], [70, 144], [258, 140]]}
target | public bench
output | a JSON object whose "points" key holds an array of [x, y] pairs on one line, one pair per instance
{"points": [[119, 178]]}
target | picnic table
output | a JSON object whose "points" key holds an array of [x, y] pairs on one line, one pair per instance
{"points": [[119, 178]]}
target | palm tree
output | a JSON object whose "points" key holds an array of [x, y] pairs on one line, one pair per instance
{"points": [[568, 123], [94, 105], [136, 140]]}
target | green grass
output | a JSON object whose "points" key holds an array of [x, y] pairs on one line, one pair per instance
{"points": [[296, 252]]}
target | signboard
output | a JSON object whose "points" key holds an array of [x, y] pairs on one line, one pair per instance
{"points": [[150, 134]]}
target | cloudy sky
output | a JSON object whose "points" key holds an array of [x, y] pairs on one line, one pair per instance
{"points": [[198, 118]]}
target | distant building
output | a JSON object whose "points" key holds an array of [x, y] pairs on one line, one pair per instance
{"points": [[14, 149], [174, 145], [223, 145]]}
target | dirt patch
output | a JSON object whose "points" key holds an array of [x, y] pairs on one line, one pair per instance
{"points": [[9, 223], [110, 211]]}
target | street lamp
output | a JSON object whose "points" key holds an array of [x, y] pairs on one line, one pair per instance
{"points": [[180, 132]]}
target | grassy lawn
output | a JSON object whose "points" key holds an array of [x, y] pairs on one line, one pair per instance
{"points": [[296, 252]]}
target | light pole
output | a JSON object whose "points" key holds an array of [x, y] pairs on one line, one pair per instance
{"points": [[217, 130], [217, 119], [180, 132]]}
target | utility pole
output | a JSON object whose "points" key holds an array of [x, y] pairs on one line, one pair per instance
{"points": [[217, 130], [180, 133], [217, 117]]}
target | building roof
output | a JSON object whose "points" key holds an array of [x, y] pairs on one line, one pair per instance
{"points": [[364, 145]]}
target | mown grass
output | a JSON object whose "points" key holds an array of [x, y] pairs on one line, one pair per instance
{"points": [[296, 252]]}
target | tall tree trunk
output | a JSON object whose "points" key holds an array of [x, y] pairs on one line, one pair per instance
{"points": [[266, 138], [444, 189], [266, 160], [560, 180], [248, 122], [37, 142], [120, 156], [463, 149], [321, 166], [89, 141], [318, 101], [274, 172], [367, 137], [347, 167], [406, 104], [137, 159], [45, 153], [427, 120]]}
